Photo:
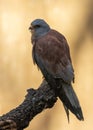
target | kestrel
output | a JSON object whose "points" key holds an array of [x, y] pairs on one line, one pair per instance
{"points": [[51, 53]]}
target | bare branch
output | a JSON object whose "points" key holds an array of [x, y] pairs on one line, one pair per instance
{"points": [[35, 102]]}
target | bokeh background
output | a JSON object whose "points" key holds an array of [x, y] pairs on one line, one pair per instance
{"points": [[74, 19]]}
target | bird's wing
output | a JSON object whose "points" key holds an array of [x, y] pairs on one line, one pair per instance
{"points": [[51, 52]]}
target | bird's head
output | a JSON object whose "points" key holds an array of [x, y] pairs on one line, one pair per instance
{"points": [[39, 28]]}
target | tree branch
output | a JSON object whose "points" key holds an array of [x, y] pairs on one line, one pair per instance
{"points": [[35, 102]]}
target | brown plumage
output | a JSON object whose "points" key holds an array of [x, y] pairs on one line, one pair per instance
{"points": [[51, 54]]}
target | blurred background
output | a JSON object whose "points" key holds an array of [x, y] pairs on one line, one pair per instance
{"points": [[74, 19]]}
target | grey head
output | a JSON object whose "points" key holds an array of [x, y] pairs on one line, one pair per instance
{"points": [[39, 28]]}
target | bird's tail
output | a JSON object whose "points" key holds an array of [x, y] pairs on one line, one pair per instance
{"points": [[70, 101]]}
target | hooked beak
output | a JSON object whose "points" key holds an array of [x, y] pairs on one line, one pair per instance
{"points": [[31, 28]]}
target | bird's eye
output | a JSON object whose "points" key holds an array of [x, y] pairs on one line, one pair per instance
{"points": [[37, 26]]}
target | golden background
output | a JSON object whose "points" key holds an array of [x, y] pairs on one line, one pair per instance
{"points": [[74, 19]]}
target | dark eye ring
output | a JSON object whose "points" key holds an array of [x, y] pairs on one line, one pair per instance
{"points": [[37, 26]]}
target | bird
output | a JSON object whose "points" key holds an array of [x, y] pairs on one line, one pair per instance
{"points": [[51, 54]]}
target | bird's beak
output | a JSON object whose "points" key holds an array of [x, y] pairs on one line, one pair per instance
{"points": [[31, 28]]}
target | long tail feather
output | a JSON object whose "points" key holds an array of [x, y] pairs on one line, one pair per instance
{"points": [[70, 101], [67, 112]]}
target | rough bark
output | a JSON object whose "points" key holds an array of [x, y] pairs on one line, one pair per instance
{"points": [[35, 102]]}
